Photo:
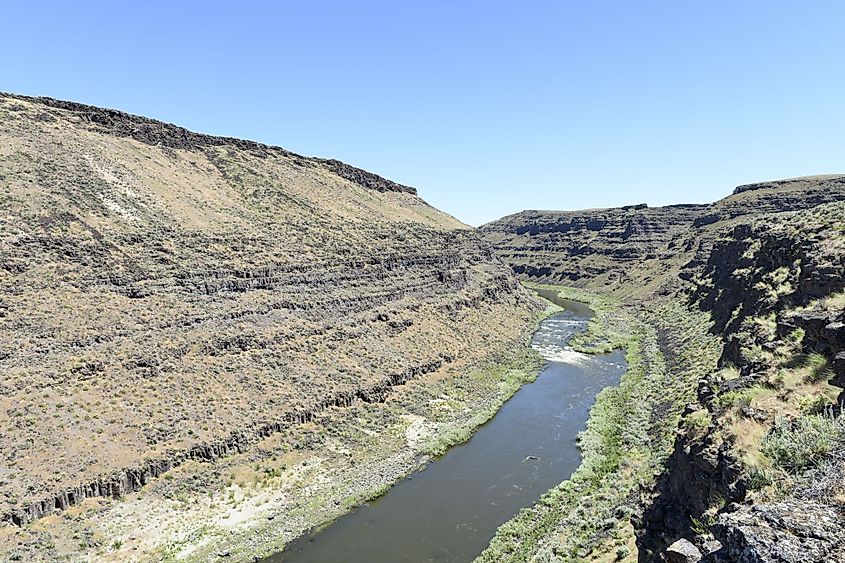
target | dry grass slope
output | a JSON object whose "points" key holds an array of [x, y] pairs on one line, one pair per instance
{"points": [[167, 296]]}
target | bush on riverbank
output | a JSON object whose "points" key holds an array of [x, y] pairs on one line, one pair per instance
{"points": [[629, 434]]}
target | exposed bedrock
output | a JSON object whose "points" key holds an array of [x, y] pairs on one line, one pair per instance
{"points": [[786, 532], [760, 281], [698, 471], [129, 480], [603, 247], [577, 246], [766, 265], [157, 133]]}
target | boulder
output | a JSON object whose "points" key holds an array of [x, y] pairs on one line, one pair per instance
{"points": [[682, 551], [791, 531]]}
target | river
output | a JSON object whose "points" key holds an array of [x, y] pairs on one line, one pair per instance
{"points": [[449, 511]]}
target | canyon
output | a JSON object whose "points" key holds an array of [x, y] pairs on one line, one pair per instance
{"points": [[169, 298], [211, 346], [758, 450]]}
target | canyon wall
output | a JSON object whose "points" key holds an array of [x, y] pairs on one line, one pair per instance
{"points": [[169, 296], [758, 455], [771, 286], [636, 243], [578, 247]]}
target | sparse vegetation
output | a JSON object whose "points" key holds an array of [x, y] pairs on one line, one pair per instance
{"points": [[697, 423], [510, 378], [177, 295], [191, 303]]}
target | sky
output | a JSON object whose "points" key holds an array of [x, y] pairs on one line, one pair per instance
{"points": [[487, 108]]}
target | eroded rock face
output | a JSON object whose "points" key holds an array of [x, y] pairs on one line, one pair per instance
{"points": [[787, 532], [601, 247], [732, 279], [748, 262], [699, 470], [577, 246], [824, 330], [156, 133], [775, 197], [168, 296], [762, 267]]}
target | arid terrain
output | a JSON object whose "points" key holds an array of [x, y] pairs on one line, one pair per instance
{"points": [[608, 247], [169, 298], [210, 346]]}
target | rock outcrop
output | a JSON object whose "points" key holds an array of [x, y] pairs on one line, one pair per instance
{"points": [[638, 244], [786, 532], [824, 332], [764, 281], [576, 247], [156, 133], [683, 551]]}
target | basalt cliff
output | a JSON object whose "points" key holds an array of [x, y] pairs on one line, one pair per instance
{"points": [[756, 470], [169, 299], [604, 247]]}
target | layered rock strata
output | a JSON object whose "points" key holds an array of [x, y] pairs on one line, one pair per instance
{"points": [[766, 267], [169, 296]]}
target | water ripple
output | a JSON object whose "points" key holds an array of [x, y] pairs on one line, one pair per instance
{"points": [[552, 337]]}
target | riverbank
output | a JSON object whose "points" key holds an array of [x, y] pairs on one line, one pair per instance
{"points": [[450, 511], [354, 457], [628, 438], [250, 504]]}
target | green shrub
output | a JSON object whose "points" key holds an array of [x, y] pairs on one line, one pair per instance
{"points": [[802, 443], [742, 397], [701, 526], [759, 478], [697, 423], [813, 405], [819, 368]]}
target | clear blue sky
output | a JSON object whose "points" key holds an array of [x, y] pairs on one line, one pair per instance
{"points": [[487, 107]]}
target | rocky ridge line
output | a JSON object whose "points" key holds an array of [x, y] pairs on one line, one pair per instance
{"points": [[600, 247], [154, 132], [159, 305]]}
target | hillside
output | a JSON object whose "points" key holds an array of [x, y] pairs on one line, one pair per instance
{"points": [[601, 247], [758, 451], [211, 345], [571, 247], [168, 298]]}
